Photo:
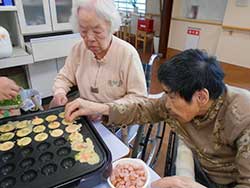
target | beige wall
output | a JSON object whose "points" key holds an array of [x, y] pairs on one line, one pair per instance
{"points": [[234, 45], [236, 15], [234, 48], [177, 8], [209, 35], [231, 47]]}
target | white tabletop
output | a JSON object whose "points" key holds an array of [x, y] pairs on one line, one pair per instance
{"points": [[117, 148]]}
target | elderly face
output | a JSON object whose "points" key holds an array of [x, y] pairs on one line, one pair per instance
{"points": [[181, 110], [94, 30]]}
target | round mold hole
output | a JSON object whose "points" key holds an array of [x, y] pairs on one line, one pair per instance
{"points": [[43, 146], [60, 141], [29, 176], [7, 156], [27, 163], [7, 169], [49, 169], [26, 151], [68, 163], [63, 151], [45, 157], [8, 182]]}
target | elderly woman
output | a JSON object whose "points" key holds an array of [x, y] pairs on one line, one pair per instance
{"points": [[104, 67], [212, 118]]}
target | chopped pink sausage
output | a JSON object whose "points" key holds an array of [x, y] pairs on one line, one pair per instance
{"points": [[128, 176]]}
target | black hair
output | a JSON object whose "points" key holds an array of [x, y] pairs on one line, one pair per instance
{"points": [[190, 71]]}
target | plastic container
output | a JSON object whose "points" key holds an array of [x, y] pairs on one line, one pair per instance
{"points": [[156, 44], [5, 43], [132, 161]]}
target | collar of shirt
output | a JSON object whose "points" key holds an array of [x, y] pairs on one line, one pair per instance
{"points": [[109, 53], [211, 114]]}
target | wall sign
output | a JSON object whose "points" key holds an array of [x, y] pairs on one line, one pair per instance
{"points": [[192, 38]]}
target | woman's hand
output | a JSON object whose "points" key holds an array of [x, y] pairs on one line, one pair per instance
{"points": [[176, 182], [8, 88], [59, 99], [81, 107], [95, 118]]}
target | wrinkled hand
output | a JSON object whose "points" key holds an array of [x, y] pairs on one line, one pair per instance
{"points": [[95, 117], [176, 182], [59, 99], [78, 107], [8, 88], [81, 107]]}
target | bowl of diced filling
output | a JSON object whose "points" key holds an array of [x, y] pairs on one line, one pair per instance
{"points": [[129, 173]]}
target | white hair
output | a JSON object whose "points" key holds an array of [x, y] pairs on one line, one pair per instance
{"points": [[105, 9]]}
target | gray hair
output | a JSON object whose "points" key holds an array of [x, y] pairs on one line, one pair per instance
{"points": [[105, 9]]}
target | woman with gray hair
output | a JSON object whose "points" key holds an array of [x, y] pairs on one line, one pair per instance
{"points": [[104, 67]]}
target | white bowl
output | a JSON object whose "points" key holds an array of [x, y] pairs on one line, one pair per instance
{"points": [[132, 161]]}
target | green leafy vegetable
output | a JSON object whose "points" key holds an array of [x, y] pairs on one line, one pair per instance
{"points": [[9, 102]]}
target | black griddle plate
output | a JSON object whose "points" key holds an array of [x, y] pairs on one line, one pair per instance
{"points": [[51, 163]]}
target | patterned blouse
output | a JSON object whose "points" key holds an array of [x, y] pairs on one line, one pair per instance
{"points": [[220, 139]]}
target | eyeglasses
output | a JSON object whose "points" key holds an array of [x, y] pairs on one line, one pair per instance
{"points": [[87, 33]]}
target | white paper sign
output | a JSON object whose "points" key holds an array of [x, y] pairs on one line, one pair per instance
{"points": [[192, 38]]}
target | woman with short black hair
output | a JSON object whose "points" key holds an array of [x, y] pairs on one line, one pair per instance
{"points": [[212, 118]]}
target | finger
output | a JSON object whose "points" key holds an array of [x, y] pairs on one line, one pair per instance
{"points": [[65, 100], [70, 108], [4, 96], [74, 104], [56, 101], [166, 182], [158, 184], [75, 114], [9, 97], [1, 96], [13, 94], [14, 86]]}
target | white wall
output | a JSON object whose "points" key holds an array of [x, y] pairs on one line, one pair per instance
{"points": [[208, 9], [209, 35], [229, 46], [153, 6], [236, 15], [234, 45], [234, 48]]}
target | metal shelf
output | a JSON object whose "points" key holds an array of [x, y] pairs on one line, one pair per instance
{"points": [[8, 8], [18, 58]]}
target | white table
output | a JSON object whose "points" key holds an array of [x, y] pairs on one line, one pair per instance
{"points": [[117, 148]]}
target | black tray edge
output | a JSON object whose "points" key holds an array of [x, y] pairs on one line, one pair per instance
{"points": [[86, 179]]}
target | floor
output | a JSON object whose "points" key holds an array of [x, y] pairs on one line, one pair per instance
{"points": [[233, 77]]}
